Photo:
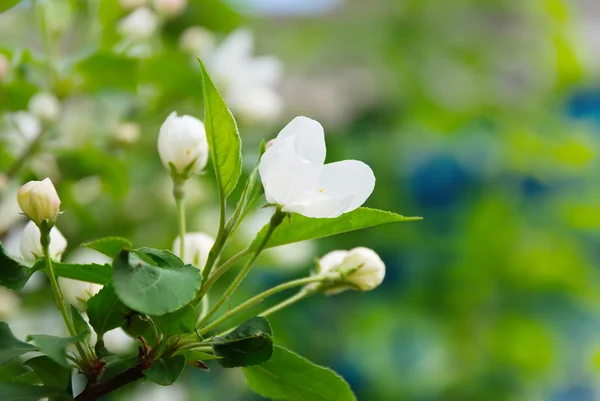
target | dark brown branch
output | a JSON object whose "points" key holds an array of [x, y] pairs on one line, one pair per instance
{"points": [[96, 390]]}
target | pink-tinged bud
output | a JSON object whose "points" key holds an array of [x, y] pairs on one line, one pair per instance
{"points": [[39, 201]]}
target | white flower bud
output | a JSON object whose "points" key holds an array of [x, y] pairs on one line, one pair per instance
{"points": [[45, 106], [127, 133], [359, 268], [76, 292], [197, 41], [4, 66], [118, 342], [39, 201], [139, 25], [182, 145], [31, 247], [169, 8], [197, 246]]}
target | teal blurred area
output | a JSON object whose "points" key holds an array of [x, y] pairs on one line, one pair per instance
{"points": [[482, 116]]}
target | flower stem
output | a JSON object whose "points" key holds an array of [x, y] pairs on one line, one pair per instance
{"points": [[259, 298], [178, 194], [287, 302], [276, 220]]}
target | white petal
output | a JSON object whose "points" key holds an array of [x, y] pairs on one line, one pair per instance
{"points": [[321, 206], [265, 71], [347, 177], [308, 139]]}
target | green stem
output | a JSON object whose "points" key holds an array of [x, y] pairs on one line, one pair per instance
{"points": [[276, 220], [259, 298], [220, 271], [178, 194], [287, 302], [60, 302]]}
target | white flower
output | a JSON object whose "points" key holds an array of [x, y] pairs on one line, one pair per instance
{"points": [[9, 303], [169, 8], [359, 268], [197, 41], [118, 342], [31, 248], [127, 133], [295, 177], [45, 106], [139, 25], [20, 129], [182, 144], [197, 246], [39, 201], [76, 292], [248, 83]]}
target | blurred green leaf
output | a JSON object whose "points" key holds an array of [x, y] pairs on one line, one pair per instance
{"points": [[104, 71], [223, 137], [155, 290], [216, 15], [251, 343], [179, 322], [55, 347], [288, 376], [301, 228], [13, 274], [106, 311], [8, 4], [51, 373], [93, 273], [10, 347], [24, 392], [109, 246], [166, 371]]}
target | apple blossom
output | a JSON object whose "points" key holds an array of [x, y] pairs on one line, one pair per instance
{"points": [[31, 247], [182, 145], [76, 292], [197, 246], [359, 268], [296, 179], [39, 201], [45, 106], [197, 41], [139, 25], [127, 133]]}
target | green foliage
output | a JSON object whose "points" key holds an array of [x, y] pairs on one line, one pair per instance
{"points": [[106, 311], [13, 274], [166, 371], [79, 323], [193, 356], [154, 289], [179, 322], [109, 246], [301, 228], [10, 347], [55, 347], [8, 4], [288, 376], [93, 272], [24, 392], [251, 343], [51, 373], [223, 138]]}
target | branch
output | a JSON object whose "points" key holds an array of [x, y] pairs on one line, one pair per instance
{"points": [[93, 391]]}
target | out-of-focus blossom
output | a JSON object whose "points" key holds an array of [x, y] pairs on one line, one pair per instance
{"points": [[132, 4], [9, 303], [169, 8], [197, 246], [127, 133], [45, 106], [39, 201], [154, 392], [4, 67], [138, 26], [248, 83], [182, 145], [31, 248], [118, 342], [76, 292], [19, 130], [295, 177], [197, 41]]}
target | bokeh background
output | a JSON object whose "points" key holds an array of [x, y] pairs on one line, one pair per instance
{"points": [[482, 116]]}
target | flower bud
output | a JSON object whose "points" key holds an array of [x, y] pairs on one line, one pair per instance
{"points": [[45, 106], [359, 268], [197, 247], [169, 8], [197, 41], [76, 292], [39, 201], [31, 247], [139, 25], [182, 145]]}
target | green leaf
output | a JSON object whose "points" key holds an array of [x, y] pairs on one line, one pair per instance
{"points": [[81, 326], [55, 347], [29, 377], [138, 326], [106, 311], [24, 392], [106, 70], [223, 138], [288, 376], [181, 321], [249, 344], [166, 371], [115, 366], [193, 356], [10, 347], [93, 273], [13, 274], [110, 246], [154, 290], [8, 4], [301, 228], [51, 373], [159, 257]]}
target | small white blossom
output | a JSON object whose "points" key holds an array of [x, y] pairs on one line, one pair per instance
{"points": [[359, 268], [169, 8], [127, 133], [295, 177], [118, 342], [39, 201], [45, 106], [182, 144], [197, 246], [197, 41], [76, 292], [20, 129], [9, 303], [31, 248], [139, 25]]}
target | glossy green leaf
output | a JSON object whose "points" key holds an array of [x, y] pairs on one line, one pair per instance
{"points": [[93, 273], [300, 228], [25, 392], [138, 326], [29, 377], [79, 323], [116, 365], [160, 257], [223, 138], [251, 343], [193, 356], [51, 373], [288, 376], [55, 347], [154, 290], [13, 273], [166, 371], [106, 311], [10, 347], [179, 322], [110, 246]]}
